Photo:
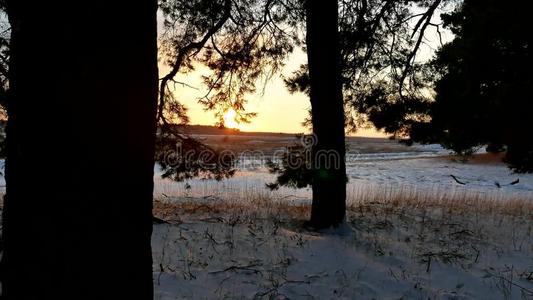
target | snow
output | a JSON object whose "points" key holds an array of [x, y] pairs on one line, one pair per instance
{"points": [[411, 232], [386, 252], [431, 172], [427, 169]]}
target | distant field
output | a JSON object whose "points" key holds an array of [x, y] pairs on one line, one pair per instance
{"points": [[268, 142]]}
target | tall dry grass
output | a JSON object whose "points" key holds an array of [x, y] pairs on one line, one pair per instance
{"points": [[454, 200], [259, 201]]}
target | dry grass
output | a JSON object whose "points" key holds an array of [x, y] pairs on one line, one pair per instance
{"points": [[454, 201], [427, 231], [448, 201], [173, 210]]}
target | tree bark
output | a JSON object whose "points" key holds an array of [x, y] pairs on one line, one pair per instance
{"points": [[329, 169], [77, 217]]}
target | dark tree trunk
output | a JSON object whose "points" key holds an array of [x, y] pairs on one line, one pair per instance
{"points": [[329, 170], [80, 150]]}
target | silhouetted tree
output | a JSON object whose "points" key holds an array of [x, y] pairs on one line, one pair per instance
{"points": [[82, 100], [327, 111], [293, 167], [481, 80], [377, 46], [380, 40], [485, 81], [243, 41], [4, 82], [241, 44], [246, 40]]}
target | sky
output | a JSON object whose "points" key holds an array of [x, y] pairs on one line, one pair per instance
{"points": [[277, 109]]}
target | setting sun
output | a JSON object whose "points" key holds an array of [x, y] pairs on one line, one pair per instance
{"points": [[229, 119]]}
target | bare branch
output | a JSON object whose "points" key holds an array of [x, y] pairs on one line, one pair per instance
{"points": [[422, 24], [186, 51]]}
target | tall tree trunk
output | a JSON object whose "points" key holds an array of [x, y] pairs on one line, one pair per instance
{"points": [[80, 150], [329, 169]]}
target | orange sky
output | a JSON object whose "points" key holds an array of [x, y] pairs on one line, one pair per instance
{"points": [[277, 110]]}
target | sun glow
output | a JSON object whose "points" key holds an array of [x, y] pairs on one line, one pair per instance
{"points": [[229, 119]]}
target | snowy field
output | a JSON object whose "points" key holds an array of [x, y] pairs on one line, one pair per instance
{"points": [[400, 248], [412, 232], [429, 168]]}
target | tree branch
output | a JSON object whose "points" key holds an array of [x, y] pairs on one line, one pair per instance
{"points": [[184, 53], [422, 24]]}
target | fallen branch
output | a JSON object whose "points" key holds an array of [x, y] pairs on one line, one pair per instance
{"points": [[242, 268]]}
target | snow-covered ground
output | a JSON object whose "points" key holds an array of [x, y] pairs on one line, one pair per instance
{"points": [[429, 168], [425, 167], [412, 232], [386, 250]]}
